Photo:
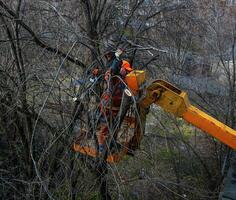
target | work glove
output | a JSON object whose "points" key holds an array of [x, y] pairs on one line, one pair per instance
{"points": [[107, 75], [95, 71], [118, 53], [75, 99]]}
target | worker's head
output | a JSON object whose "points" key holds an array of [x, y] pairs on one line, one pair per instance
{"points": [[109, 56], [109, 53]]}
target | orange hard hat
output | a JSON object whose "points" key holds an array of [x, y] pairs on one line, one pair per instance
{"points": [[126, 65]]}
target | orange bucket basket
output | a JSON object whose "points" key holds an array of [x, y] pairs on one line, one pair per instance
{"points": [[134, 80]]}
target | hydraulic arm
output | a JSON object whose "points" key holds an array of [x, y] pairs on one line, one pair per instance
{"points": [[175, 101]]}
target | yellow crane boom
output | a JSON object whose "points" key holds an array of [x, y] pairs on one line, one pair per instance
{"points": [[168, 97], [175, 101]]}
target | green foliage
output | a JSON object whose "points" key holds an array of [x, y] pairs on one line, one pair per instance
{"points": [[94, 196]]}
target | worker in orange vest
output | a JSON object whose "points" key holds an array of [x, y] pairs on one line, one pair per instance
{"points": [[112, 96]]}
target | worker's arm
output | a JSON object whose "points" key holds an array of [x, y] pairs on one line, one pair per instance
{"points": [[175, 101], [115, 66]]}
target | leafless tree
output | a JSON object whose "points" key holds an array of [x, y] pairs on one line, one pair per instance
{"points": [[45, 46]]}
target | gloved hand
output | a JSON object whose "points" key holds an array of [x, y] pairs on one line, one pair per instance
{"points": [[75, 99], [107, 75], [95, 71], [118, 52]]}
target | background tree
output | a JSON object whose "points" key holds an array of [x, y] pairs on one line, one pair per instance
{"points": [[45, 46]]}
